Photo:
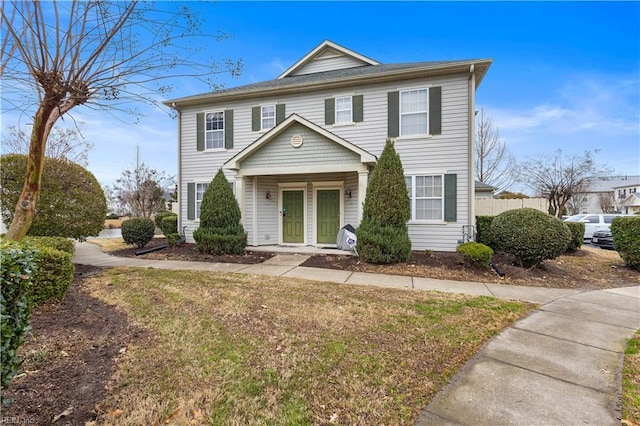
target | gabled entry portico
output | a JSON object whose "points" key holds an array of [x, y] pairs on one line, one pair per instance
{"points": [[298, 184]]}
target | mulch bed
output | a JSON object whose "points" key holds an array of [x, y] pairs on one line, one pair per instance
{"points": [[71, 354], [189, 252]]}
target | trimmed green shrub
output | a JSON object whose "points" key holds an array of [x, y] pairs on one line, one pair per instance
{"points": [[383, 244], [220, 230], [70, 204], [173, 239], [626, 239], [16, 269], [160, 216], [478, 253], [138, 231], [169, 225], [483, 229], [577, 235], [218, 244], [59, 243], [530, 235], [53, 275], [383, 236]]}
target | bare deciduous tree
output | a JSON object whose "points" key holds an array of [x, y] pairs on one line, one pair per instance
{"points": [[560, 178], [92, 53], [141, 190], [606, 202], [493, 163], [63, 143]]}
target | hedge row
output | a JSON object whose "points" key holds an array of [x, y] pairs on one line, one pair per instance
{"points": [[626, 239]]}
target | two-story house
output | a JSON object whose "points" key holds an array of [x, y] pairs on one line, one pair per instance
{"points": [[299, 150]]}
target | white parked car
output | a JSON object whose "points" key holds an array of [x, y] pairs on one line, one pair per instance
{"points": [[594, 222]]}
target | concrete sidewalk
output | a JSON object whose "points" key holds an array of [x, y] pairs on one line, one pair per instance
{"points": [[559, 366]]}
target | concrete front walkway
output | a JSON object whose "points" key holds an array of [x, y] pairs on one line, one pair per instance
{"points": [[560, 365]]}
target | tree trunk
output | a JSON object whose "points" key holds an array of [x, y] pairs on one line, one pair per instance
{"points": [[25, 211]]}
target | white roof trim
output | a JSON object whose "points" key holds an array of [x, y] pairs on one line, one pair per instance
{"points": [[325, 44], [234, 162]]}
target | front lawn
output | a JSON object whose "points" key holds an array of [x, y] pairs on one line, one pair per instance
{"points": [[248, 349]]}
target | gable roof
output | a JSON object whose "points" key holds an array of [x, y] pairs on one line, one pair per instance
{"points": [[632, 199], [370, 72], [481, 186], [326, 49], [234, 162]]}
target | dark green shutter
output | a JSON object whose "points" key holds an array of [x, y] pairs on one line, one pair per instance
{"points": [[280, 112], [200, 131], [357, 109], [435, 110], [393, 114], [228, 129], [256, 113], [191, 201], [329, 111], [450, 198]]}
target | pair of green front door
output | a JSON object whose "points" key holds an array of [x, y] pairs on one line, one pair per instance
{"points": [[328, 216]]}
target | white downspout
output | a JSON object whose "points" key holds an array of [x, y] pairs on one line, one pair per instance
{"points": [[472, 173]]}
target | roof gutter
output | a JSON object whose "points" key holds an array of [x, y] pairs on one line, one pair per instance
{"points": [[395, 75]]}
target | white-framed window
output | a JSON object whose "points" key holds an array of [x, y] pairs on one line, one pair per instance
{"points": [[426, 193], [344, 110], [414, 107], [214, 130], [200, 190], [268, 117]]}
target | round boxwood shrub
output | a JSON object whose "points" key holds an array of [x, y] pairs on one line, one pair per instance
{"points": [[478, 253], [483, 229], [138, 231], [530, 235], [626, 239], [169, 225], [53, 275], [159, 217], [577, 235]]}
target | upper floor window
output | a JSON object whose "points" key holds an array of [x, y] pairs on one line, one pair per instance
{"points": [[414, 107], [427, 197], [344, 110], [268, 117], [214, 130]]}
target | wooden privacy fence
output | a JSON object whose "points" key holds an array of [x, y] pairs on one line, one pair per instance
{"points": [[492, 206]]}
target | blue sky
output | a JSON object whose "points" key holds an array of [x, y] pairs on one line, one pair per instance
{"points": [[565, 75]]}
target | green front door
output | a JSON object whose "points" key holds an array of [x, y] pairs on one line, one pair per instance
{"points": [[328, 215], [293, 217]]}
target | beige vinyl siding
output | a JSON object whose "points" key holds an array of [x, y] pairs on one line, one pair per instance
{"points": [[315, 150], [329, 63], [444, 153], [268, 214]]}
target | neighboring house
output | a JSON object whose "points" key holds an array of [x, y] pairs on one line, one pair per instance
{"points": [[627, 197], [299, 150], [605, 195], [483, 190]]}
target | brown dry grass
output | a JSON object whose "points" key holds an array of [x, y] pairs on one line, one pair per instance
{"points": [[248, 349]]}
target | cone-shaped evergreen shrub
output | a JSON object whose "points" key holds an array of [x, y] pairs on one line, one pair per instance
{"points": [[383, 236], [220, 231]]}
